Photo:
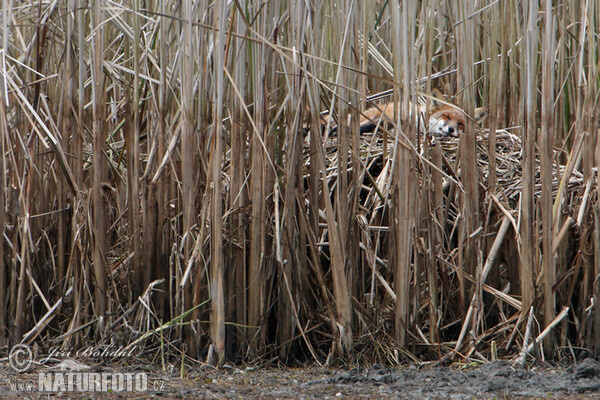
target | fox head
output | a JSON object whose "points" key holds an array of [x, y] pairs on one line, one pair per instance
{"points": [[448, 120]]}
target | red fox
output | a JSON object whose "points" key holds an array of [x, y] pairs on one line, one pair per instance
{"points": [[444, 119]]}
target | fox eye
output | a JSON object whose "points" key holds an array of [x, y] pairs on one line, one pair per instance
{"points": [[461, 127]]}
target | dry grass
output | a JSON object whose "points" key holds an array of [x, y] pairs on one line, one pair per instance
{"points": [[155, 167]]}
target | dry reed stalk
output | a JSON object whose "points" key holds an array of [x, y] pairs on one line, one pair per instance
{"points": [[217, 279], [239, 190], [356, 176], [546, 143], [133, 157], [470, 254], [436, 238], [494, 68], [595, 334], [188, 173], [434, 212], [4, 140], [77, 225], [402, 180], [290, 257], [594, 337], [67, 124], [3, 202], [203, 113], [288, 252], [160, 189], [258, 190], [188, 142], [591, 108], [100, 217], [527, 220]]}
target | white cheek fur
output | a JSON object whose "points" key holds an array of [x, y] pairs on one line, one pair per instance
{"points": [[436, 127]]}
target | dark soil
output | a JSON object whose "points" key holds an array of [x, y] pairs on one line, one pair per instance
{"points": [[493, 380]]}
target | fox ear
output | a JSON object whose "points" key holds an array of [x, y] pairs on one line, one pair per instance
{"points": [[481, 114], [435, 96]]}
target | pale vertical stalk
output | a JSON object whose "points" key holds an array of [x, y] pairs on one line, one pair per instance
{"points": [[341, 193], [133, 146], [291, 235], [587, 93], [403, 216], [528, 80], [314, 47], [574, 93], [590, 84], [188, 164], [563, 65], [514, 103], [342, 267], [336, 221], [579, 75], [77, 146], [595, 342], [217, 320], [79, 10], [3, 220], [3, 140], [24, 257], [340, 285], [162, 184], [433, 211], [436, 239], [470, 199], [315, 126], [594, 49], [151, 193], [365, 12], [100, 223], [67, 125], [357, 172], [495, 87], [203, 115], [256, 274], [188, 154], [126, 94], [238, 175], [546, 143], [6, 16]]}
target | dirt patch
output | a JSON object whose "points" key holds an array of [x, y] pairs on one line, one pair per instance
{"points": [[493, 380], [496, 379]]}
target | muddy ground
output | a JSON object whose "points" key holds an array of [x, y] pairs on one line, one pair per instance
{"points": [[493, 380]]}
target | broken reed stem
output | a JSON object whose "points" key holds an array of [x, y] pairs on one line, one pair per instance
{"points": [[520, 360], [475, 301], [562, 315]]}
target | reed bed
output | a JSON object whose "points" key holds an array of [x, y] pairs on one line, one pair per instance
{"points": [[167, 184]]}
